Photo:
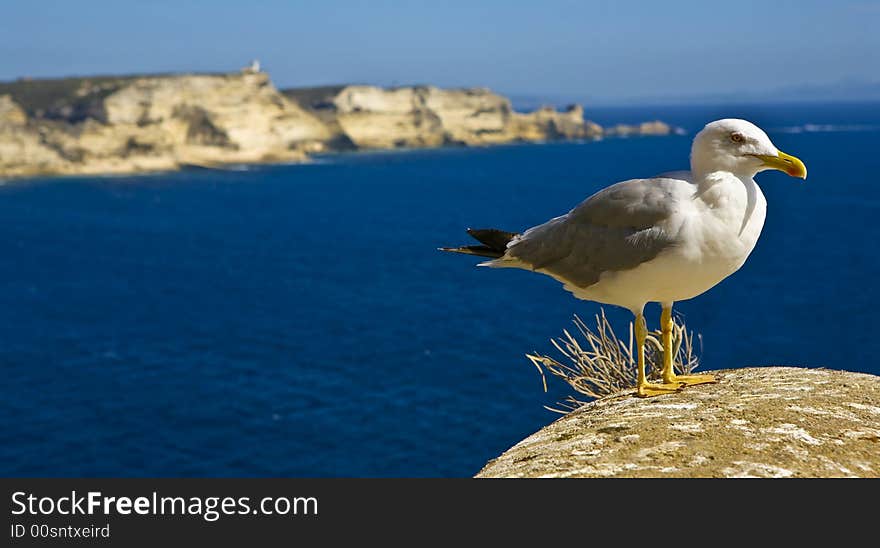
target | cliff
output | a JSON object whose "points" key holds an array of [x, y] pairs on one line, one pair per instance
{"points": [[124, 124], [426, 116], [756, 422], [153, 123]]}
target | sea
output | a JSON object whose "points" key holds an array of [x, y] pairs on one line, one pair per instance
{"points": [[298, 320]]}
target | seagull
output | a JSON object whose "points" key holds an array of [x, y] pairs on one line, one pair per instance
{"points": [[664, 239]]}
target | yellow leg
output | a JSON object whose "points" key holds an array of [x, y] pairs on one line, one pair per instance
{"points": [[669, 375], [646, 389]]}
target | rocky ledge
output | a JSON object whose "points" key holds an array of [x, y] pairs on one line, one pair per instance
{"points": [[756, 422], [126, 124], [427, 116], [150, 123]]}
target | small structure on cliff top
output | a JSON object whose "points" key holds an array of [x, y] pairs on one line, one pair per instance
{"points": [[253, 68]]}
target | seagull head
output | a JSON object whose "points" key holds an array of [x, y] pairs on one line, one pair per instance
{"points": [[741, 148]]}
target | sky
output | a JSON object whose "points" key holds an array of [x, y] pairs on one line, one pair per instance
{"points": [[605, 50]]}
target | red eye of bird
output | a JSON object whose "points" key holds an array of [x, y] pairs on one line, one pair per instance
{"points": [[736, 137]]}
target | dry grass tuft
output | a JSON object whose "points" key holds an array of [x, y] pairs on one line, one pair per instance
{"points": [[605, 364]]}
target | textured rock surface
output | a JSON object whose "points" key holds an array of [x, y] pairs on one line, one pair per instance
{"points": [[156, 123], [425, 116], [22, 148], [124, 124], [547, 124], [756, 422], [655, 127]]}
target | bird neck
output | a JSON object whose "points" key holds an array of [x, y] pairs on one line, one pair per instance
{"points": [[709, 179], [733, 198]]}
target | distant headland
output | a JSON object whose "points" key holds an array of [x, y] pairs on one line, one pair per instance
{"points": [[142, 123]]}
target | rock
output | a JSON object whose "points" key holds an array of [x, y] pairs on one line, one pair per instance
{"points": [[473, 116], [422, 116], [426, 116], [10, 113], [124, 124], [23, 151], [376, 118], [645, 128], [654, 128], [157, 123], [548, 124], [756, 422]]}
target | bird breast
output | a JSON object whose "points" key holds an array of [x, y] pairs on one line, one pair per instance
{"points": [[731, 215]]}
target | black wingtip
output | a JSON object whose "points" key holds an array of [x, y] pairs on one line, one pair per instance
{"points": [[493, 238]]}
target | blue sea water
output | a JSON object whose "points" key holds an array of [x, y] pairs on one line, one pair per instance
{"points": [[298, 320]]}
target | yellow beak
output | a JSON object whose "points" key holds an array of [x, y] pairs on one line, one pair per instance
{"points": [[785, 162]]}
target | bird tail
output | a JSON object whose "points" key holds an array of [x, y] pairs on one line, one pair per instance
{"points": [[494, 243]]}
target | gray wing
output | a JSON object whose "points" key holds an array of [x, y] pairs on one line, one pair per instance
{"points": [[615, 229]]}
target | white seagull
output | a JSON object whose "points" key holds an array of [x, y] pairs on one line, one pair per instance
{"points": [[664, 239]]}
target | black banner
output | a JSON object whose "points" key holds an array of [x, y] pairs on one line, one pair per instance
{"points": [[284, 512]]}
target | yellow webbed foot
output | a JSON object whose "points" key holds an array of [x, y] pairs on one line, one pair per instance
{"points": [[690, 380], [648, 390]]}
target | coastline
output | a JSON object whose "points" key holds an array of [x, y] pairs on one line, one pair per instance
{"points": [[148, 124], [323, 158]]}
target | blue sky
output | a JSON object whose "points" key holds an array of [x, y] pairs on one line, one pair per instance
{"points": [[618, 49]]}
